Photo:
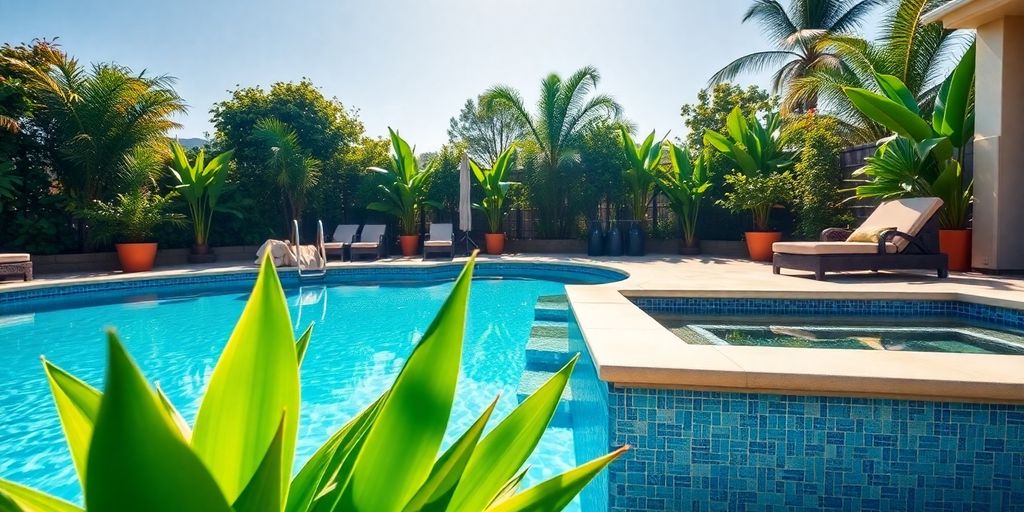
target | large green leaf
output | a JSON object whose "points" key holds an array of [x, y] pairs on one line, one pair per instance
{"points": [[137, 458], [263, 492], [256, 378], [504, 450], [554, 494], [897, 91], [78, 405], [435, 493], [303, 343], [402, 443], [890, 114], [953, 103], [25, 499]]}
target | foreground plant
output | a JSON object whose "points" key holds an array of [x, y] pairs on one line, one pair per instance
{"points": [[133, 451]]}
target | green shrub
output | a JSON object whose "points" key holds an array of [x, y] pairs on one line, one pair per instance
{"points": [[758, 194], [818, 201]]}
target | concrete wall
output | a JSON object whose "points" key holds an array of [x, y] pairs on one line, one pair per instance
{"points": [[103, 261]]}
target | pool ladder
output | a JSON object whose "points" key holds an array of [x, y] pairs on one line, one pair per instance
{"points": [[309, 272]]}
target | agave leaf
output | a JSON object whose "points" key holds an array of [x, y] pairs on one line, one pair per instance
{"points": [[263, 492], [554, 494], [504, 450], [18, 498], [437, 490], [303, 343], [402, 443], [176, 417], [511, 487], [78, 405], [256, 378], [137, 458]]}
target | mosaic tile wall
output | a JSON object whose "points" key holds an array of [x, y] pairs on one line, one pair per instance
{"points": [[696, 450]]}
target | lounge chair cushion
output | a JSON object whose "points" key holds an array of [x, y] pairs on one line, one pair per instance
{"points": [[365, 245], [437, 243], [906, 215], [14, 257], [824, 248], [335, 245]]}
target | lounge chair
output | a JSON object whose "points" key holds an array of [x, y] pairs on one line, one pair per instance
{"points": [[899, 234], [440, 240], [16, 264], [342, 239], [370, 242]]}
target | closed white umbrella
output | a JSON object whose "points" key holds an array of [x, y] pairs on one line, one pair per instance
{"points": [[465, 202]]}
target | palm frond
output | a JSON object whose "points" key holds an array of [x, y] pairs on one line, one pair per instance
{"points": [[752, 63]]}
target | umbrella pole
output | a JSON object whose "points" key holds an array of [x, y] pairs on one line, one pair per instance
{"points": [[468, 241]]}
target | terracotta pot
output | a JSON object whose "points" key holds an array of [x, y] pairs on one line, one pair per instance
{"points": [[136, 257], [956, 244], [494, 243], [759, 244], [410, 244]]}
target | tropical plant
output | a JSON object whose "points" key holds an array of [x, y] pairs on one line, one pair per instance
{"points": [[406, 195], [495, 188], [486, 133], [758, 194], [200, 184], [133, 451], [924, 158], [914, 52], [819, 199], [295, 171], [96, 118], [685, 185], [133, 215], [566, 112], [9, 182], [644, 161], [795, 34]]}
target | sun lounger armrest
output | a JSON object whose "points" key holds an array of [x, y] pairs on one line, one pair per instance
{"points": [[835, 234], [886, 237]]}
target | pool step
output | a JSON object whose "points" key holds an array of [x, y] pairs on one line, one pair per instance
{"points": [[548, 346], [551, 308], [531, 381]]}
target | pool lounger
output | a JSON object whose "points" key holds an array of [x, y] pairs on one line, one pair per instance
{"points": [[908, 238], [371, 242], [342, 239], [16, 264], [440, 240]]}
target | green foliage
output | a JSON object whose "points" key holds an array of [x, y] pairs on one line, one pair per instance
{"points": [[485, 133], [685, 185], [443, 183], [644, 161], [133, 451], [405, 195], [495, 187], [566, 112], [818, 201], [200, 184], [758, 194], [294, 171], [926, 158]]}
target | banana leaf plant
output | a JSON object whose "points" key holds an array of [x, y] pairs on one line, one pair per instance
{"points": [[406, 195], [685, 185], [200, 184], [132, 450], [495, 188], [924, 158], [644, 160]]}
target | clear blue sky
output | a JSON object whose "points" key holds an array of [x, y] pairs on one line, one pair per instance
{"points": [[407, 64]]}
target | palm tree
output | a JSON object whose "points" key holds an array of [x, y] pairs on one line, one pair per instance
{"points": [[566, 111], [95, 119], [916, 53], [795, 34], [295, 172]]}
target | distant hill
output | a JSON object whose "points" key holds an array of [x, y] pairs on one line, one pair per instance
{"points": [[192, 143]]}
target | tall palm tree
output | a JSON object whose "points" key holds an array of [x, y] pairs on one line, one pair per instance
{"points": [[95, 118], [566, 112], [295, 172], [918, 54], [795, 33]]}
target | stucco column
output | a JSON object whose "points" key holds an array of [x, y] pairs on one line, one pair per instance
{"points": [[999, 147]]}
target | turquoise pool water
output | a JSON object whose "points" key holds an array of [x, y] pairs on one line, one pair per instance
{"points": [[362, 336]]}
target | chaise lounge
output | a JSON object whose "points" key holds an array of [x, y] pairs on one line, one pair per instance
{"points": [[440, 240], [16, 264], [899, 234], [342, 239], [371, 242]]}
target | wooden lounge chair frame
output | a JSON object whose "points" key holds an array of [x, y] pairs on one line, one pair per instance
{"points": [[920, 252], [21, 268], [448, 249], [377, 250]]}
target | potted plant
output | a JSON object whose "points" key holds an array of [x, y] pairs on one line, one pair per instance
{"points": [[494, 204], [406, 195], [685, 185], [925, 158], [644, 160], [760, 182], [200, 184], [129, 220]]}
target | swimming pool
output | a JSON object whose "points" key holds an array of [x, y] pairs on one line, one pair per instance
{"points": [[366, 325]]}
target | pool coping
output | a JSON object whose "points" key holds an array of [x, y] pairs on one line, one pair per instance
{"points": [[631, 349]]}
